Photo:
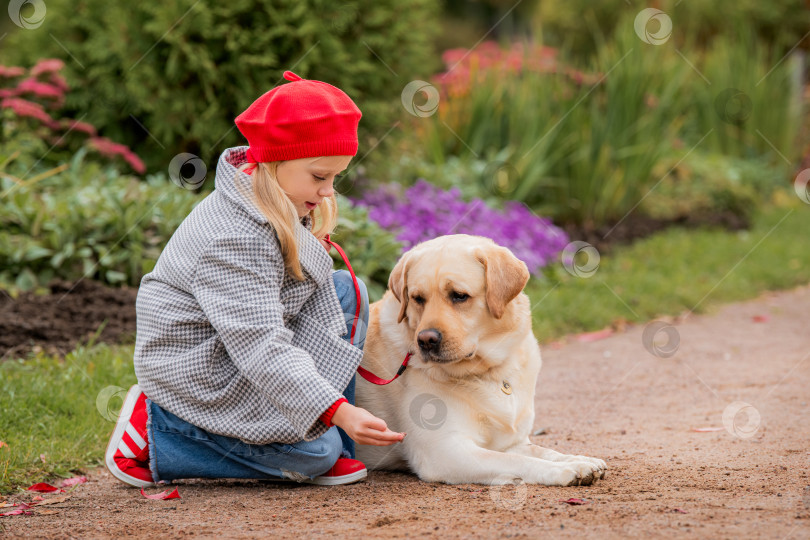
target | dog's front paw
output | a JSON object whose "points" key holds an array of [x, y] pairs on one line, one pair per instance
{"points": [[599, 463], [579, 473]]}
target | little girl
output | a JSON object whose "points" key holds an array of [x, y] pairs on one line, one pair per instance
{"points": [[242, 370]]}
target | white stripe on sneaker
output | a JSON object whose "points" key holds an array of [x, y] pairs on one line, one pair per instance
{"points": [[136, 437], [125, 450]]}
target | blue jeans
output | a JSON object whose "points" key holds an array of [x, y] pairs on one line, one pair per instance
{"points": [[178, 449]]}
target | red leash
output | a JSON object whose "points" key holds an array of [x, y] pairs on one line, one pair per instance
{"points": [[366, 374]]}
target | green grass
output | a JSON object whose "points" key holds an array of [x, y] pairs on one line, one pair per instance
{"points": [[49, 406], [678, 270]]}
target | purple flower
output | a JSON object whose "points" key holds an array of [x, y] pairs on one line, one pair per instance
{"points": [[425, 211]]}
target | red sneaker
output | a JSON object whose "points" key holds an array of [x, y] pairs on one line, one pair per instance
{"points": [[344, 471], [127, 455]]}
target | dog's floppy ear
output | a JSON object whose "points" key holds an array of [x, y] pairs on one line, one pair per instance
{"points": [[506, 276], [397, 282]]}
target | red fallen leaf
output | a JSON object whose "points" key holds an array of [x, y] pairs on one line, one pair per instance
{"points": [[760, 318], [16, 513], [594, 336], [2, 444], [573, 501], [75, 481], [707, 429], [163, 495], [679, 511], [42, 487]]}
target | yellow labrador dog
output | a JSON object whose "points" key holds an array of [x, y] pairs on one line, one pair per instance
{"points": [[466, 400]]}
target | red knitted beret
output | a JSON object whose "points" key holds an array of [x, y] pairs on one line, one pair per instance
{"points": [[305, 118]]}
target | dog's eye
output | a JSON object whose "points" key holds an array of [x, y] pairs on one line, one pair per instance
{"points": [[459, 297], [419, 300]]}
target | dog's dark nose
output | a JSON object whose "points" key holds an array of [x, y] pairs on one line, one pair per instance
{"points": [[429, 340]]}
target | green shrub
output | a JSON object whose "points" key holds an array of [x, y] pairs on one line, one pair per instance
{"points": [[709, 188], [571, 23], [81, 220], [170, 77]]}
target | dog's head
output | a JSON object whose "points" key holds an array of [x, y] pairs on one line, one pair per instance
{"points": [[457, 294]]}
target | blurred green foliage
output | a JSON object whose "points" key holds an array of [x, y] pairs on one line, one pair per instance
{"points": [[576, 24], [585, 146], [170, 77], [85, 220]]}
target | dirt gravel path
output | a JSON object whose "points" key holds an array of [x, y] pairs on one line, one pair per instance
{"points": [[609, 398]]}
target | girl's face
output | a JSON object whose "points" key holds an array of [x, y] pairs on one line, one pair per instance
{"points": [[308, 181]]}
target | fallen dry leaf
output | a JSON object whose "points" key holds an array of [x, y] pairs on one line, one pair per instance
{"points": [[2, 444], [54, 500], [587, 337], [75, 481], [163, 495], [38, 498], [573, 501], [42, 458], [42, 487], [45, 512], [17, 512]]}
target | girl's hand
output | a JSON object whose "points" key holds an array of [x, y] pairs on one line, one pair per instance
{"points": [[363, 427], [327, 246]]}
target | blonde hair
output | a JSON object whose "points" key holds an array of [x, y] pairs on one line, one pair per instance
{"points": [[272, 201]]}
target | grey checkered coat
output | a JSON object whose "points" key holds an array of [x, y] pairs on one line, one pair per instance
{"points": [[225, 339]]}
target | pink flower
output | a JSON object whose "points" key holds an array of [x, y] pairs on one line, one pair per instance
{"points": [[75, 125], [40, 89], [8, 71], [109, 148], [23, 107], [58, 80], [8, 92], [47, 65]]}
